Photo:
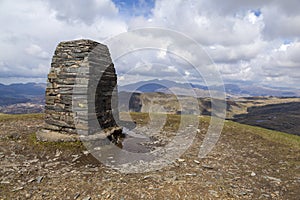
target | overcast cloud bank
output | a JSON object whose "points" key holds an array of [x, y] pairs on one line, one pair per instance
{"points": [[255, 41]]}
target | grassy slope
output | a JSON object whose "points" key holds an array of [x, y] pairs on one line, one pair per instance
{"points": [[273, 136], [20, 116]]}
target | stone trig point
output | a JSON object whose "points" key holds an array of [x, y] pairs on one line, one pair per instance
{"points": [[81, 93]]}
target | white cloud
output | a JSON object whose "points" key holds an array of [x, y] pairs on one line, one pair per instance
{"points": [[31, 30], [36, 50], [171, 69], [279, 24], [248, 40], [74, 11], [240, 36], [283, 61]]}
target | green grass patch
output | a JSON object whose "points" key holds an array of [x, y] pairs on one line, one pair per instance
{"points": [[4, 117], [172, 123], [271, 135], [140, 118], [77, 145]]}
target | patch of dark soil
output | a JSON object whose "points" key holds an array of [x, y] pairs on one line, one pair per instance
{"points": [[283, 117]]}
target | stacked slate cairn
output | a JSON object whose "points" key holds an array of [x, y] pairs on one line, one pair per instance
{"points": [[81, 93]]}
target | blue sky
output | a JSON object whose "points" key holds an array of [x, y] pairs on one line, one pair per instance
{"points": [[248, 41], [134, 7]]}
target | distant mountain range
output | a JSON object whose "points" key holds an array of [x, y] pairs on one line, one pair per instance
{"points": [[157, 85], [35, 92], [21, 93], [232, 90]]}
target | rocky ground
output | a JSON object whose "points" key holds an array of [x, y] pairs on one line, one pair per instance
{"points": [[23, 108], [247, 163]]}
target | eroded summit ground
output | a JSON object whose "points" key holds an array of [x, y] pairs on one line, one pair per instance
{"points": [[247, 163]]}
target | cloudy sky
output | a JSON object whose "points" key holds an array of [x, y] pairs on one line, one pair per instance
{"points": [[246, 41]]}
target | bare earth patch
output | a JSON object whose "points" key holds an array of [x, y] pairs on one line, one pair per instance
{"points": [[247, 163]]}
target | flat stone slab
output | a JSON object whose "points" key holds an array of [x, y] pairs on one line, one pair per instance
{"points": [[54, 136]]}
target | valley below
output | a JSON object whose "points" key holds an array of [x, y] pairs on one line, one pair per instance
{"points": [[275, 113], [284, 117]]}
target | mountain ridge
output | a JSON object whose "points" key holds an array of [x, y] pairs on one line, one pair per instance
{"points": [[231, 89], [21, 93]]}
